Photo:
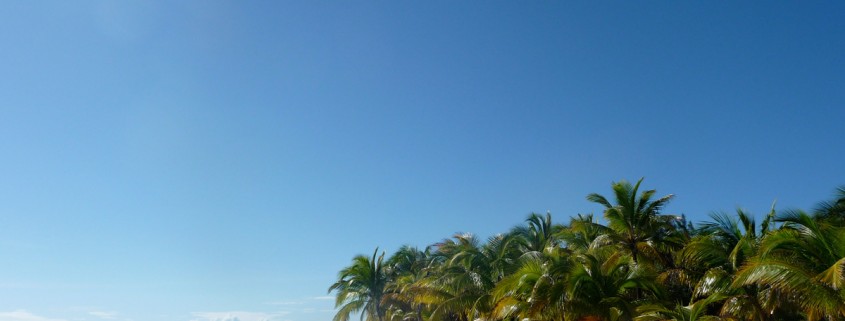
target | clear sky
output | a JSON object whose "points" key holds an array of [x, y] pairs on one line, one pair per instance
{"points": [[210, 161]]}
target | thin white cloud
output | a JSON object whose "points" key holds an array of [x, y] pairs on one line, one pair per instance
{"points": [[238, 316], [22, 315]]}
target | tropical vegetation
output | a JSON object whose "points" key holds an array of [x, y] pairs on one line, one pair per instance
{"points": [[635, 264]]}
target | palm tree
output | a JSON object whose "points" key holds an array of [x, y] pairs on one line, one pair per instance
{"points": [[723, 246], [458, 281], [407, 267], [581, 233], [805, 260], [461, 286], [604, 287], [361, 287], [540, 235], [635, 224], [537, 290]]}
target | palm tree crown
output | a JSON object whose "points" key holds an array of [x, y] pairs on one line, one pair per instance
{"points": [[360, 287]]}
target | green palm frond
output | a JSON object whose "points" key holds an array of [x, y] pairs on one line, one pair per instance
{"points": [[765, 226], [596, 198], [635, 223], [696, 311], [361, 287], [784, 275]]}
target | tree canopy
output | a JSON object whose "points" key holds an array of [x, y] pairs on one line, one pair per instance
{"points": [[637, 264]]}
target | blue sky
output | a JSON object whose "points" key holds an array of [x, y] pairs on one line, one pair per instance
{"points": [[212, 161]]}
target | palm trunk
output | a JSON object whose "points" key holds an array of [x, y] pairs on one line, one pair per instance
{"points": [[634, 254]]}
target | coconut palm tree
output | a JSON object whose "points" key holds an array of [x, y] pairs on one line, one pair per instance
{"points": [[457, 284], [461, 286], [361, 287], [407, 267], [635, 224], [537, 287], [805, 260], [581, 233], [539, 235], [537, 290], [723, 247], [605, 287]]}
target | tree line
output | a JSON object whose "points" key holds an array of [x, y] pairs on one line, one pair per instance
{"points": [[637, 264]]}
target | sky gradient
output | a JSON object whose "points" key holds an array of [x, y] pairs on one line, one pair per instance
{"points": [[222, 161]]}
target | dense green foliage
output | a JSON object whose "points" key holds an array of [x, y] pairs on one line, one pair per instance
{"points": [[638, 265]]}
